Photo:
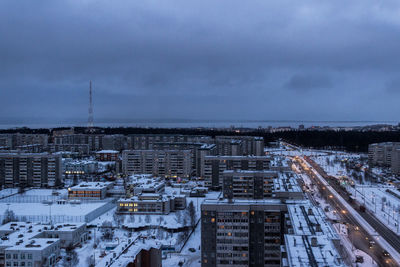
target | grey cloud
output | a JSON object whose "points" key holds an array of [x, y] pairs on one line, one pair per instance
{"points": [[197, 59], [393, 86], [308, 82]]}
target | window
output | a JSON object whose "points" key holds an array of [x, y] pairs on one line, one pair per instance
{"points": [[29, 256], [15, 256], [22, 256], [8, 256]]}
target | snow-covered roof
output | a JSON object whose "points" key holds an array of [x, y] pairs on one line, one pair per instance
{"points": [[311, 251], [91, 186], [107, 152], [34, 244]]}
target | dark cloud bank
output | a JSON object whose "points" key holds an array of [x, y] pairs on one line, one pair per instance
{"points": [[259, 60]]}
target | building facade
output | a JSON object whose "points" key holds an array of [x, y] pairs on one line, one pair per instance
{"points": [[30, 170], [214, 166], [164, 163]]}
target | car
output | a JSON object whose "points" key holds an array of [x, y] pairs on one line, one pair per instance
{"points": [[385, 253], [371, 244], [359, 259], [192, 249]]}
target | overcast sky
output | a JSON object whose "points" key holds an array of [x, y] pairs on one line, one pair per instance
{"points": [[208, 59]]}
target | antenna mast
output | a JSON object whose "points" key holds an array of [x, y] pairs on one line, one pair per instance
{"points": [[90, 119]]}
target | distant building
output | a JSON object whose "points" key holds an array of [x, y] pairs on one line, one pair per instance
{"points": [[197, 151], [117, 142], [147, 141], [385, 154], [239, 145], [164, 163], [94, 141], [79, 149], [214, 166], [30, 169], [107, 155]]}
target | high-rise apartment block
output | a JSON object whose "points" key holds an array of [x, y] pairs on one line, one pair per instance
{"points": [[30, 169], [240, 145], [19, 140], [214, 166], [240, 184], [164, 163], [268, 232], [385, 154]]}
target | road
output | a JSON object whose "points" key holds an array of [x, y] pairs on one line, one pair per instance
{"points": [[357, 234], [392, 238]]}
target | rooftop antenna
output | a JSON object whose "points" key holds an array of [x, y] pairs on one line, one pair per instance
{"points": [[90, 119]]}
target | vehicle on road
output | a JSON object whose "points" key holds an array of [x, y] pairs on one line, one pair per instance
{"points": [[359, 259], [385, 253], [371, 244]]}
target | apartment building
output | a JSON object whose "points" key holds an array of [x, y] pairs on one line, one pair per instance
{"points": [[381, 153], [385, 154], [163, 163], [242, 232], [107, 155], [117, 142], [146, 141], [240, 145], [198, 151], [79, 149], [94, 141], [248, 184], [270, 232], [214, 166], [30, 169]]}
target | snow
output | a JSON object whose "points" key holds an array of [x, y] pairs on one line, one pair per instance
{"points": [[341, 229], [370, 230]]}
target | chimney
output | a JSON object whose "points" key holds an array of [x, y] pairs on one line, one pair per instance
{"points": [[310, 211], [314, 242]]}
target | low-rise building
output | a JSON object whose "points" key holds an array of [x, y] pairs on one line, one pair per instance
{"points": [[139, 184], [151, 204], [89, 190], [34, 252], [107, 155]]}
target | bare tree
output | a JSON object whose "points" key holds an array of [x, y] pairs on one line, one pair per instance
{"points": [[192, 214]]}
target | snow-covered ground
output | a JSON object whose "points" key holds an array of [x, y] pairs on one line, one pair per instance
{"points": [[378, 201], [370, 230], [189, 258], [341, 229]]}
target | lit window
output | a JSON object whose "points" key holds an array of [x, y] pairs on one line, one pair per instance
{"points": [[212, 220]]}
